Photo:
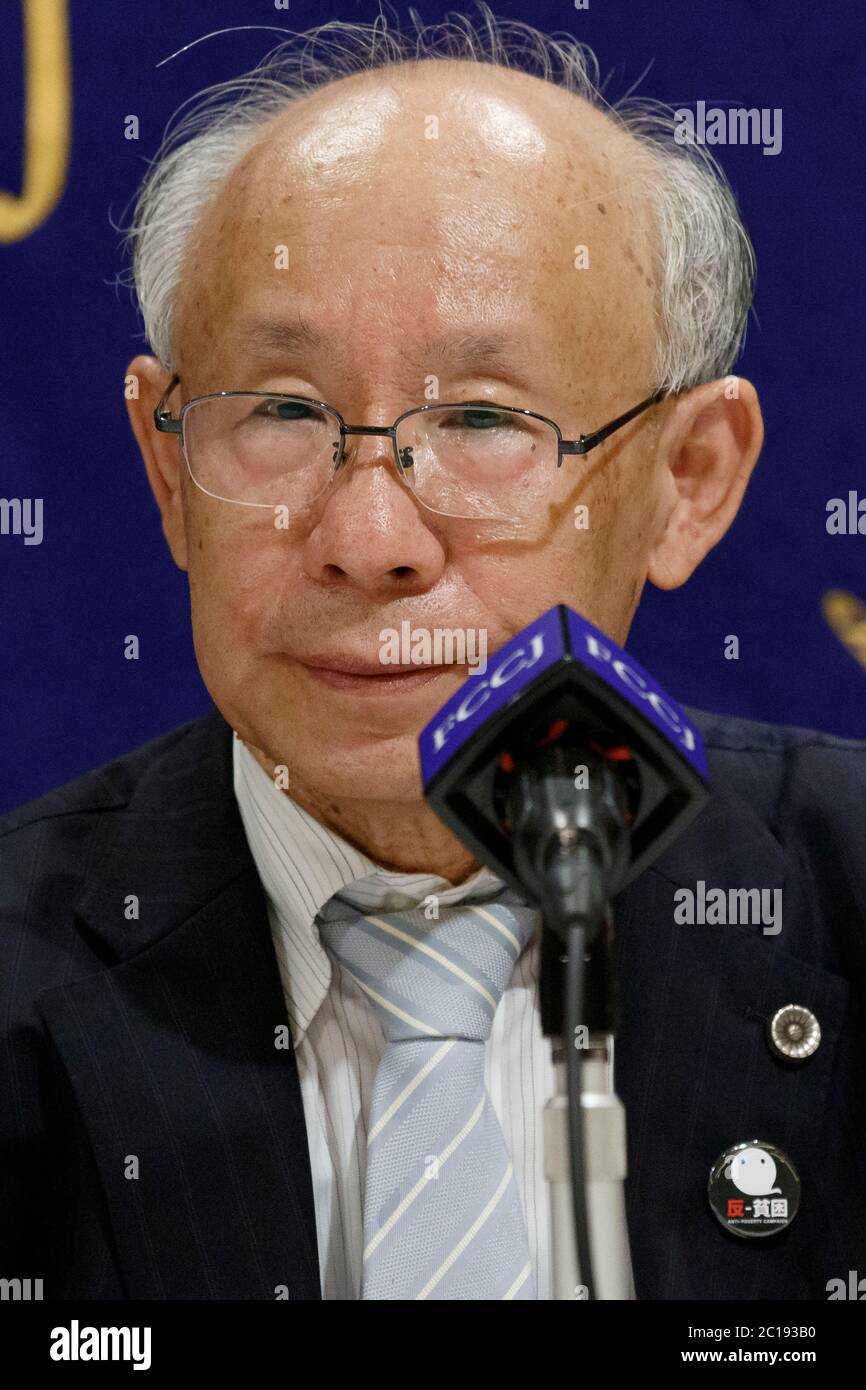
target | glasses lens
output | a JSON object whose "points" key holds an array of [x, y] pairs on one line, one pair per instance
{"points": [[477, 461], [270, 451]]}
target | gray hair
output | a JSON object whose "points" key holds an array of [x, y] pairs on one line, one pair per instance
{"points": [[705, 259]]}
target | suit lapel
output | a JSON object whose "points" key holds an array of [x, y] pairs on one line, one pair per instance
{"points": [[696, 1073], [193, 1112]]}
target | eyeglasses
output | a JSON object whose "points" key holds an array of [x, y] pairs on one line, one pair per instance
{"points": [[470, 459]]}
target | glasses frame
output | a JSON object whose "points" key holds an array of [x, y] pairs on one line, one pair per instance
{"points": [[168, 424]]}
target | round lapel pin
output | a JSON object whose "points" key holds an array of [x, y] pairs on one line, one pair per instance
{"points": [[754, 1189]]}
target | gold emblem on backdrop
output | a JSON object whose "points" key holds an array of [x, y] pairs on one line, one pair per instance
{"points": [[47, 119], [846, 615]]}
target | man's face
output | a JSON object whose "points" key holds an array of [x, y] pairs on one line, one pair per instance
{"points": [[395, 238]]}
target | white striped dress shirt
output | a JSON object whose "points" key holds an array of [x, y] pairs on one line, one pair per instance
{"points": [[338, 1041]]}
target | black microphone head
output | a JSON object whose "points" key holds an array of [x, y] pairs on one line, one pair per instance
{"points": [[562, 680]]}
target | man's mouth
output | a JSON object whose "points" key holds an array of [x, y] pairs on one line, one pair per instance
{"points": [[363, 677]]}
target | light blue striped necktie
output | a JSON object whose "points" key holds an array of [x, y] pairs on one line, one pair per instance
{"points": [[442, 1212]]}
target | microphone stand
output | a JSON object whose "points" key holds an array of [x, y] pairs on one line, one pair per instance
{"points": [[570, 846], [604, 1137]]}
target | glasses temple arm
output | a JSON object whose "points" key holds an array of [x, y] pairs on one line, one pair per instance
{"points": [[589, 441], [162, 415]]}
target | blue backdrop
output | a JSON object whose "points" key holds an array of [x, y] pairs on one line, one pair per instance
{"points": [[69, 698]]}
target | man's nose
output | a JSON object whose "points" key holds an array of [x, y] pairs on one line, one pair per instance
{"points": [[370, 529]]}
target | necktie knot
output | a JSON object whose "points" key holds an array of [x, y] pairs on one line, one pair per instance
{"points": [[426, 975]]}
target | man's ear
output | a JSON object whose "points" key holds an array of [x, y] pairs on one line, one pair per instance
{"points": [[707, 449], [160, 452]]}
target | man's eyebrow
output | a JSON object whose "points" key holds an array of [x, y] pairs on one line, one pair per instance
{"points": [[281, 335], [488, 348]]}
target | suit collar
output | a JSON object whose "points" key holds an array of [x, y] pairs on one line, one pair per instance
{"points": [[181, 817], [727, 834]]}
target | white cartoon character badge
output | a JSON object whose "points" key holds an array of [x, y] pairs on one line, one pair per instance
{"points": [[752, 1171]]}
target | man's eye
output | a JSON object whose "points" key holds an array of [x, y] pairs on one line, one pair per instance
{"points": [[285, 410], [483, 419], [475, 419]]}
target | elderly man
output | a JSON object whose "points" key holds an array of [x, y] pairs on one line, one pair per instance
{"points": [[205, 1096]]}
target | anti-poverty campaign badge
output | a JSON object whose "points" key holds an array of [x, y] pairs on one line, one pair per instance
{"points": [[754, 1189]]}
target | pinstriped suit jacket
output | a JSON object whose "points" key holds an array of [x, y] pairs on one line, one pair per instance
{"points": [[152, 1137]]}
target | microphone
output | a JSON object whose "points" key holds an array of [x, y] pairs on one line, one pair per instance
{"points": [[565, 767], [568, 770]]}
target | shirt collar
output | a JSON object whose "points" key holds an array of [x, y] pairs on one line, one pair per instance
{"points": [[301, 864]]}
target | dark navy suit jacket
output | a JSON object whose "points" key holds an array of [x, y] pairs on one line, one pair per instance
{"points": [[146, 1044]]}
